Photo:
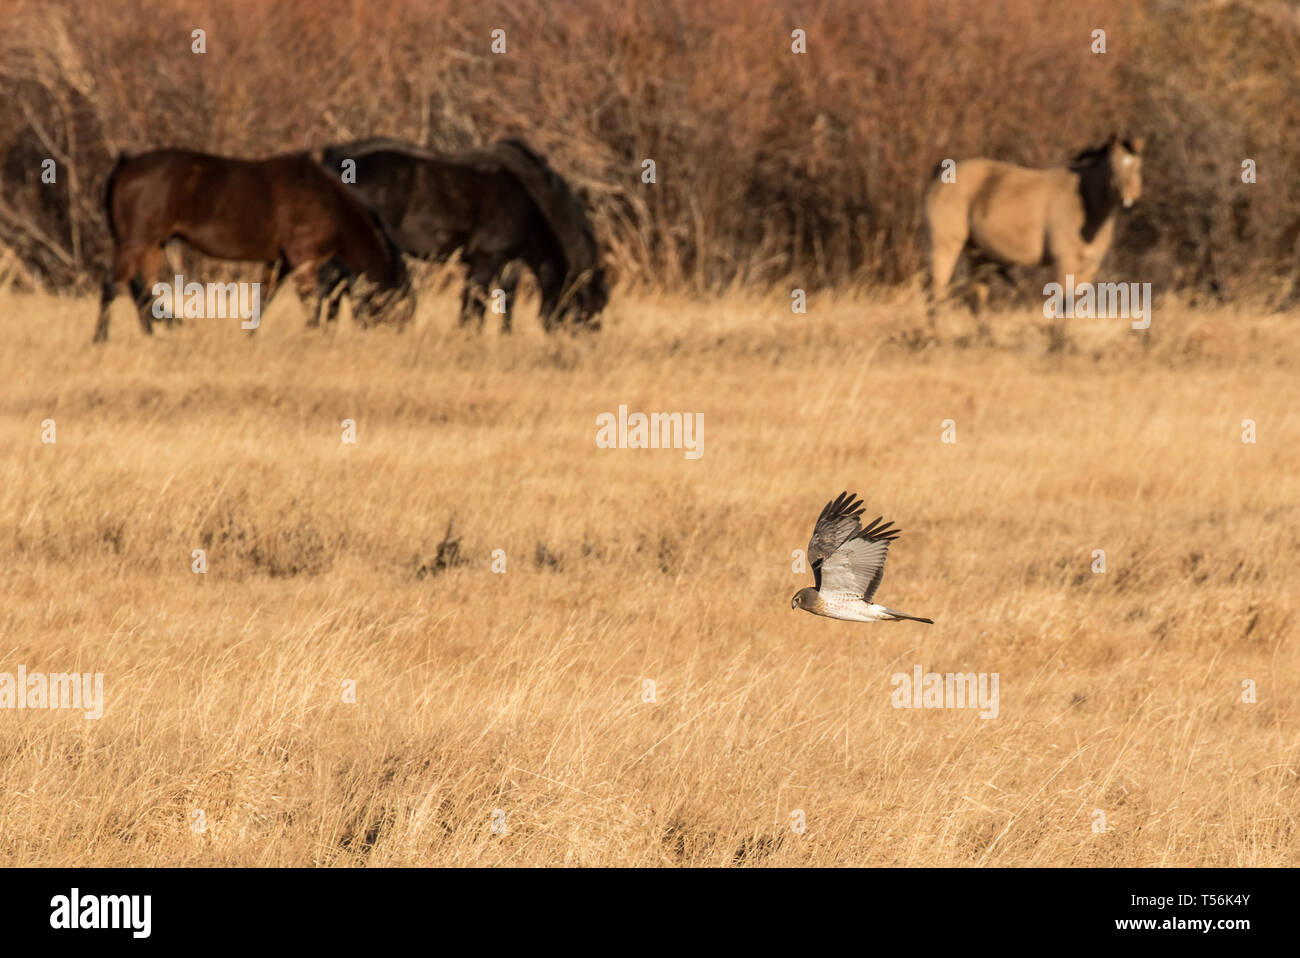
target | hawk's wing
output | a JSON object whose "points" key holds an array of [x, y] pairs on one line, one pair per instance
{"points": [[836, 525], [857, 566]]}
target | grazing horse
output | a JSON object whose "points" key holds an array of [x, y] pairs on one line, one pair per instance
{"points": [[1015, 216], [284, 212], [495, 205]]}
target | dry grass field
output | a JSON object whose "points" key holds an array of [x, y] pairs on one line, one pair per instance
{"points": [[517, 698]]}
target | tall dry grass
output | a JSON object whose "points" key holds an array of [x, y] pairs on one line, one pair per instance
{"points": [[806, 169], [523, 692]]}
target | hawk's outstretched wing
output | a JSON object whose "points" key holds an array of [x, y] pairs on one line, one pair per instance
{"points": [[856, 567], [835, 526]]}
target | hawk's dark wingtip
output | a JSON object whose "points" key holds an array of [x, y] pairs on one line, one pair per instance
{"points": [[876, 530], [845, 504]]}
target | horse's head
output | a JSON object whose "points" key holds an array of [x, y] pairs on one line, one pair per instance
{"points": [[1126, 168], [580, 302], [382, 302], [593, 297]]}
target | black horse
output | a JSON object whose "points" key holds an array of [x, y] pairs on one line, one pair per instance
{"points": [[496, 206]]}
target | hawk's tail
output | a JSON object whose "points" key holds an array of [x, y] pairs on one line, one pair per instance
{"points": [[911, 618]]}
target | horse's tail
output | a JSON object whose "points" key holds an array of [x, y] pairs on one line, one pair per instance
{"points": [[397, 272], [108, 192]]}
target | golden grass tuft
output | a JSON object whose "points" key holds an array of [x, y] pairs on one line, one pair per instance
{"points": [[523, 692]]}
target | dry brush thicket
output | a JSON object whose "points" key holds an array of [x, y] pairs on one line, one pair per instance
{"points": [[771, 165]]}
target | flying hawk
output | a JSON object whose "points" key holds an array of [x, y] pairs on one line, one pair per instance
{"points": [[848, 563]]}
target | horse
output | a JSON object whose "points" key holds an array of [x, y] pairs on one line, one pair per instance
{"points": [[1011, 215], [496, 206], [284, 212]]}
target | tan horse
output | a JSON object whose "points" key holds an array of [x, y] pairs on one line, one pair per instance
{"points": [[1016, 216]]}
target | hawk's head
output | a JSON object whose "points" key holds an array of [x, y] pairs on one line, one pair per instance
{"points": [[806, 599]]}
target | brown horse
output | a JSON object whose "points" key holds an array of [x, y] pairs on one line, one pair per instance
{"points": [[285, 212], [1015, 216]]}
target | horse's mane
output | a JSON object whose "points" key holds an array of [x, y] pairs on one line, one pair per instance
{"points": [[528, 151], [563, 210], [353, 149], [1090, 155], [1096, 186], [1094, 153]]}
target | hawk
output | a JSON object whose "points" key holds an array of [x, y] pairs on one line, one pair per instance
{"points": [[848, 562]]}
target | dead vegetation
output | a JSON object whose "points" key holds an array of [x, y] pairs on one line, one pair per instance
{"points": [[518, 701], [772, 167]]}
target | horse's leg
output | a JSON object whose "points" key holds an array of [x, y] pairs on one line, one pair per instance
{"points": [[142, 309], [304, 281], [272, 274], [1085, 273], [508, 281], [944, 253], [549, 309], [982, 328], [373, 303], [367, 303], [467, 293], [112, 280], [342, 285], [147, 264], [981, 286], [982, 269], [361, 294], [552, 287], [468, 297], [1059, 338], [982, 273], [172, 250], [403, 300], [480, 271], [332, 279]]}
